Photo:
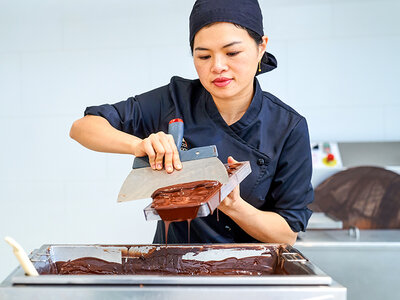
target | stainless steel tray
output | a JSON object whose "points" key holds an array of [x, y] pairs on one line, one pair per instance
{"points": [[298, 269], [236, 178]]}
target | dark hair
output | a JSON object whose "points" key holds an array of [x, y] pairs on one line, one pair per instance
{"points": [[255, 36]]}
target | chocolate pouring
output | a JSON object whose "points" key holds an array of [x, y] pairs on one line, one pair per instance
{"points": [[181, 202], [236, 172]]}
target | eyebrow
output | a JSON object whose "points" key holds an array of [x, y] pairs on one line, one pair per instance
{"points": [[226, 46]]}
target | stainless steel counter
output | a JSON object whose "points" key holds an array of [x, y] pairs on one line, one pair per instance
{"points": [[320, 220], [365, 261], [173, 292]]}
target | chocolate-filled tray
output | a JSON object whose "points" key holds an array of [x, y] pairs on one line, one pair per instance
{"points": [[228, 264], [236, 176]]}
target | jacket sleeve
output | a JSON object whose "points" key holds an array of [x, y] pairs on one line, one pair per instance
{"points": [[140, 115], [125, 115], [291, 189]]}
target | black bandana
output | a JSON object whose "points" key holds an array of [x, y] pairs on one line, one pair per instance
{"points": [[246, 13]]}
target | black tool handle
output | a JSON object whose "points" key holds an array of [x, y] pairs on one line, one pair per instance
{"points": [[175, 127]]}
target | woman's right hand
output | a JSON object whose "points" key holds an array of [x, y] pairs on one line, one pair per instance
{"points": [[161, 150], [96, 133]]}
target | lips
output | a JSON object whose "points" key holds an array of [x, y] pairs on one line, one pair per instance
{"points": [[222, 81]]}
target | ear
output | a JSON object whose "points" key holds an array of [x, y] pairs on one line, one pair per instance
{"points": [[262, 47]]}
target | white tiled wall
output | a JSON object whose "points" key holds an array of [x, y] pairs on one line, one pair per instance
{"points": [[338, 65]]}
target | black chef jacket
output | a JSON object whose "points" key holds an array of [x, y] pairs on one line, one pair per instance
{"points": [[271, 135]]}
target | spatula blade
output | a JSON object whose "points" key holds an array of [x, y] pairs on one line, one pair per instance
{"points": [[141, 183]]}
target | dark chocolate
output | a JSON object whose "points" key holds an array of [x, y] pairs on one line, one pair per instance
{"points": [[89, 265], [181, 202], [169, 261]]}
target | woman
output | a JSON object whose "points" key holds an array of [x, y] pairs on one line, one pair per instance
{"points": [[227, 108]]}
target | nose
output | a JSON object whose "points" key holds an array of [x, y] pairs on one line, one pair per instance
{"points": [[219, 65]]}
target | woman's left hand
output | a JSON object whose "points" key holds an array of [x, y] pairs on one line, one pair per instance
{"points": [[233, 197], [264, 226]]}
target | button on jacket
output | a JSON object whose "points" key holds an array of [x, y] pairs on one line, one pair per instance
{"points": [[271, 135]]}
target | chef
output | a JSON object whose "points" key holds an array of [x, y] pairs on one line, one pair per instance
{"points": [[225, 107]]}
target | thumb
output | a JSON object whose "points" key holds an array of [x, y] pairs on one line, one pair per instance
{"points": [[231, 160]]}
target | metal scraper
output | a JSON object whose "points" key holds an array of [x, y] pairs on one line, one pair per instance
{"points": [[199, 163]]}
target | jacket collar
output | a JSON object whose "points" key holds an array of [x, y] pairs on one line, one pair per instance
{"points": [[249, 116]]}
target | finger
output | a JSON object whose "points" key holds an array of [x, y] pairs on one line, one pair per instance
{"points": [[175, 153], [148, 148], [231, 160], [168, 154], [160, 151]]}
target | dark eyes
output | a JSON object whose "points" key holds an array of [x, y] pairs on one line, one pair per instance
{"points": [[204, 57], [233, 53]]}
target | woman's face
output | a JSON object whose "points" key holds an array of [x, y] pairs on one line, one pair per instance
{"points": [[226, 59]]}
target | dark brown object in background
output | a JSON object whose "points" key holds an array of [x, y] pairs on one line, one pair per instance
{"points": [[365, 197]]}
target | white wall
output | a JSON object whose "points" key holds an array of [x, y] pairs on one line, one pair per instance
{"points": [[338, 65]]}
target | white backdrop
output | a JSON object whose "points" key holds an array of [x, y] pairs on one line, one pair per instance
{"points": [[339, 66]]}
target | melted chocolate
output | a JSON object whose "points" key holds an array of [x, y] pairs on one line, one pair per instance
{"points": [[170, 261], [88, 265], [181, 202]]}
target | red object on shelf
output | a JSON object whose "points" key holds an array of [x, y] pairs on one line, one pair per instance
{"points": [[330, 157]]}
